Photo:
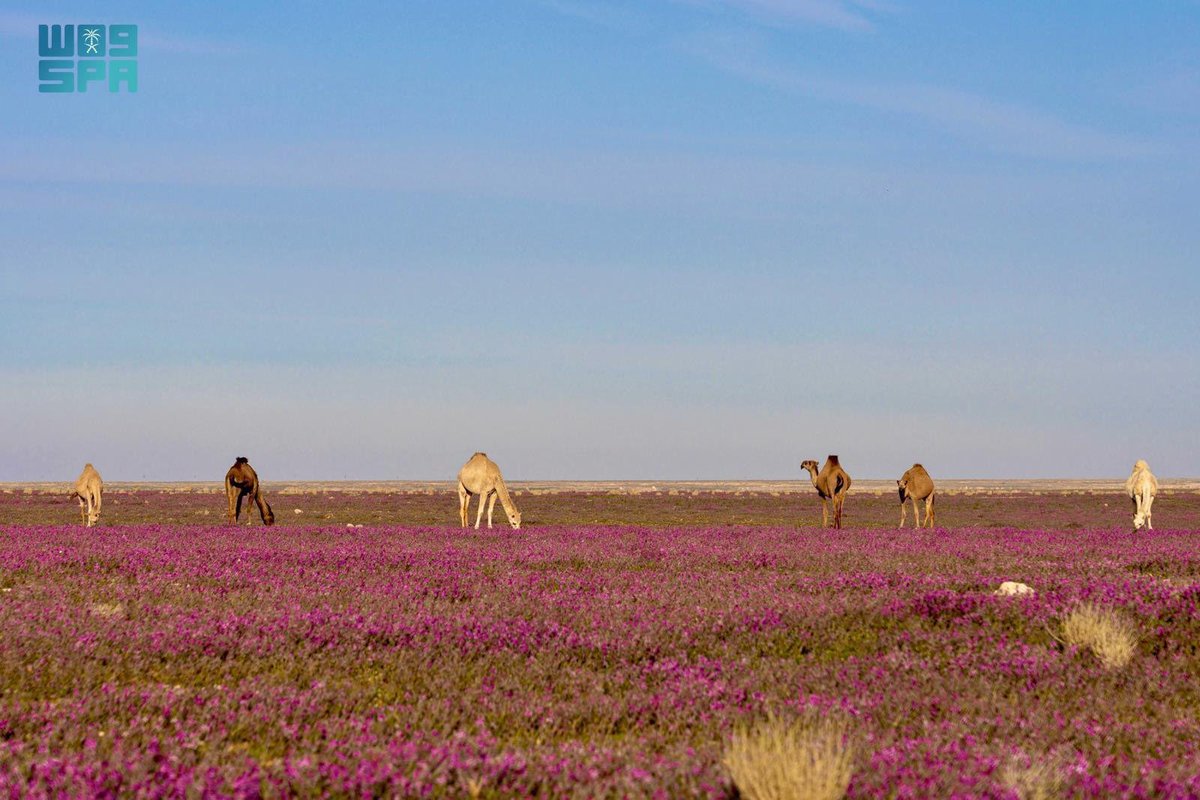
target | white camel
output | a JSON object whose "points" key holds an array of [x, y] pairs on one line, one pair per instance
{"points": [[88, 489], [1141, 487], [481, 476]]}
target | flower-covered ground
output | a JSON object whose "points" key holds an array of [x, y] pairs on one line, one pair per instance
{"points": [[591, 660]]}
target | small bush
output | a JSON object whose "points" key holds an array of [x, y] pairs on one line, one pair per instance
{"points": [[806, 759], [1103, 631]]}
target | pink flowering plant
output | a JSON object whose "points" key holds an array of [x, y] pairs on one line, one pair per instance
{"points": [[587, 661]]}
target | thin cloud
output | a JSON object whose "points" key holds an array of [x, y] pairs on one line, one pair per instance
{"points": [[847, 15], [999, 126], [604, 15]]}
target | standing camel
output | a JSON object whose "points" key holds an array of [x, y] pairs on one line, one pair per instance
{"points": [[88, 489], [831, 483], [916, 485], [242, 481], [1141, 487], [481, 476]]}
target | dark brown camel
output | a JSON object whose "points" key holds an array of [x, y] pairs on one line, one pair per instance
{"points": [[242, 481]]}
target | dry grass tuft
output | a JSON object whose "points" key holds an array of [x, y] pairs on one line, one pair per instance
{"points": [[806, 759], [1042, 779], [107, 609], [1106, 633]]}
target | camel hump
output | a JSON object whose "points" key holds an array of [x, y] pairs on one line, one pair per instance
{"points": [[241, 460], [917, 466], [477, 453], [832, 459]]}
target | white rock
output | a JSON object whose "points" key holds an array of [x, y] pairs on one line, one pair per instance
{"points": [[1011, 588]]}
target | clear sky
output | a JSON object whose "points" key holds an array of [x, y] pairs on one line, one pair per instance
{"points": [[603, 239]]}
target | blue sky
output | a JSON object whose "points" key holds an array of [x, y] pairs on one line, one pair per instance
{"points": [[599, 239]]}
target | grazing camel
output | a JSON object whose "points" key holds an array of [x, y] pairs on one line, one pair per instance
{"points": [[831, 483], [88, 489], [242, 481], [481, 476], [916, 485], [1141, 487]]}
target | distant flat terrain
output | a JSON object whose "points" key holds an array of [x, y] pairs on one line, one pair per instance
{"points": [[867, 486], [872, 503]]}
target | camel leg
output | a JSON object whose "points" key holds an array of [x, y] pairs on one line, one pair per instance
{"points": [[91, 511], [837, 510], [264, 510], [464, 500], [929, 512], [491, 507], [824, 513], [231, 497], [903, 512], [99, 502], [917, 514], [237, 514], [479, 516], [1149, 504]]}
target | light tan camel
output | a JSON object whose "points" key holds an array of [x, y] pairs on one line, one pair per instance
{"points": [[916, 485], [1141, 487], [481, 476], [242, 481], [831, 483], [88, 489]]}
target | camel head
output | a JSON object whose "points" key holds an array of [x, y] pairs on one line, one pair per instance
{"points": [[903, 492], [514, 519], [1140, 465], [811, 466]]}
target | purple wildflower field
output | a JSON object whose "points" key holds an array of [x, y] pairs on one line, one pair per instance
{"points": [[588, 660]]}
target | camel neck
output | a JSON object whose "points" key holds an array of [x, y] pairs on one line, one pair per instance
{"points": [[505, 499]]}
